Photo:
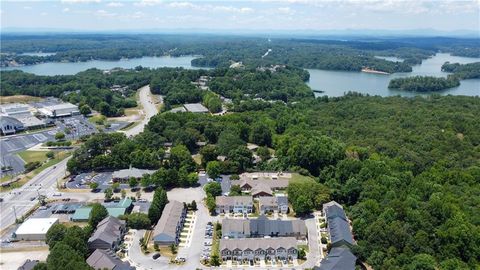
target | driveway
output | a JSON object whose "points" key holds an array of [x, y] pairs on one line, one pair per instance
{"points": [[149, 110]]}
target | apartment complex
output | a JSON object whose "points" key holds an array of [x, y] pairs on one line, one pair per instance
{"points": [[108, 235], [257, 249], [234, 204], [169, 226], [263, 227]]}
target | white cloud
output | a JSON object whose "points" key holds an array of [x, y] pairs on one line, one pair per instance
{"points": [[44, 14], [66, 10], [286, 10], [115, 4], [183, 5], [104, 13], [80, 1], [147, 3], [27, 7]]}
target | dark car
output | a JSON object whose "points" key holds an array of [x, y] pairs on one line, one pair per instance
{"points": [[156, 256]]}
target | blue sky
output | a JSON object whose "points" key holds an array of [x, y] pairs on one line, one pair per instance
{"points": [[290, 15]]}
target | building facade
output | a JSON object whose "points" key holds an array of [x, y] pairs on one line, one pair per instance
{"points": [[169, 226], [258, 249], [234, 204]]}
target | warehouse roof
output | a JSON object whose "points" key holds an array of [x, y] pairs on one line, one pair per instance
{"points": [[36, 226], [195, 108]]}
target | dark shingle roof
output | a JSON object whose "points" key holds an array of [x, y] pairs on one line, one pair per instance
{"points": [[333, 209], [108, 230], [264, 226], [101, 259], [28, 265], [338, 259], [340, 230], [166, 229]]}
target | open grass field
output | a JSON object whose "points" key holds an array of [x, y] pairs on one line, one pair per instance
{"points": [[296, 177], [32, 156], [18, 99]]}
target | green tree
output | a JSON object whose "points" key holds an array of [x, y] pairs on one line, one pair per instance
{"points": [[158, 203], [108, 194], [213, 169], [235, 190], [263, 153], [209, 153], [211, 204], [64, 257], [93, 185], [59, 136], [261, 134], [132, 182], [138, 221], [85, 110], [215, 260], [193, 205], [123, 193], [98, 213], [50, 154], [213, 189], [55, 234], [116, 186]]}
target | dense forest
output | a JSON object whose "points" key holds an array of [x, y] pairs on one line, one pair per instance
{"points": [[424, 83], [218, 51], [463, 71], [407, 169]]}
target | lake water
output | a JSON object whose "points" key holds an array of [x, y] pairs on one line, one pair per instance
{"points": [[336, 83], [333, 83], [70, 68]]}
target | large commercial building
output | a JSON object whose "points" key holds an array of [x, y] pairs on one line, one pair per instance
{"points": [[34, 229], [169, 226], [10, 125], [16, 117], [126, 174], [59, 110], [258, 249]]}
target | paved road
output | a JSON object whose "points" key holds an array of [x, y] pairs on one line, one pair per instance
{"points": [[149, 110], [18, 201]]}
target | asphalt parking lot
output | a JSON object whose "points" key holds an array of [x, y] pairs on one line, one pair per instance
{"points": [[83, 180], [203, 179], [77, 126]]}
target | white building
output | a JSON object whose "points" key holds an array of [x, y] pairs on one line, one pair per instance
{"points": [[20, 112], [35, 229], [59, 110]]}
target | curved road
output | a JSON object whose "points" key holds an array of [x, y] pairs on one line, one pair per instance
{"points": [[19, 201], [149, 110]]}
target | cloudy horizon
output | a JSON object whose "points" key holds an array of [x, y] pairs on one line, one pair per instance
{"points": [[288, 15]]}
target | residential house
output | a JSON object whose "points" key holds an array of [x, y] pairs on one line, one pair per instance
{"points": [[169, 226], [106, 259], [338, 225], [234, 204], [338, 258], [273, 204], [262, 227], [257, 249], [261, 190], [108, 235]]}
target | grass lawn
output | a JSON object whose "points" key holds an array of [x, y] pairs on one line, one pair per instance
{"points": [[18, 99], [97, 119], [26, 177], [197, 158], [296, 177], [32, 156]]}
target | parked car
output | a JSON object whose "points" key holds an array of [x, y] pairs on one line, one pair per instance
{"points": [[156, 256]]}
